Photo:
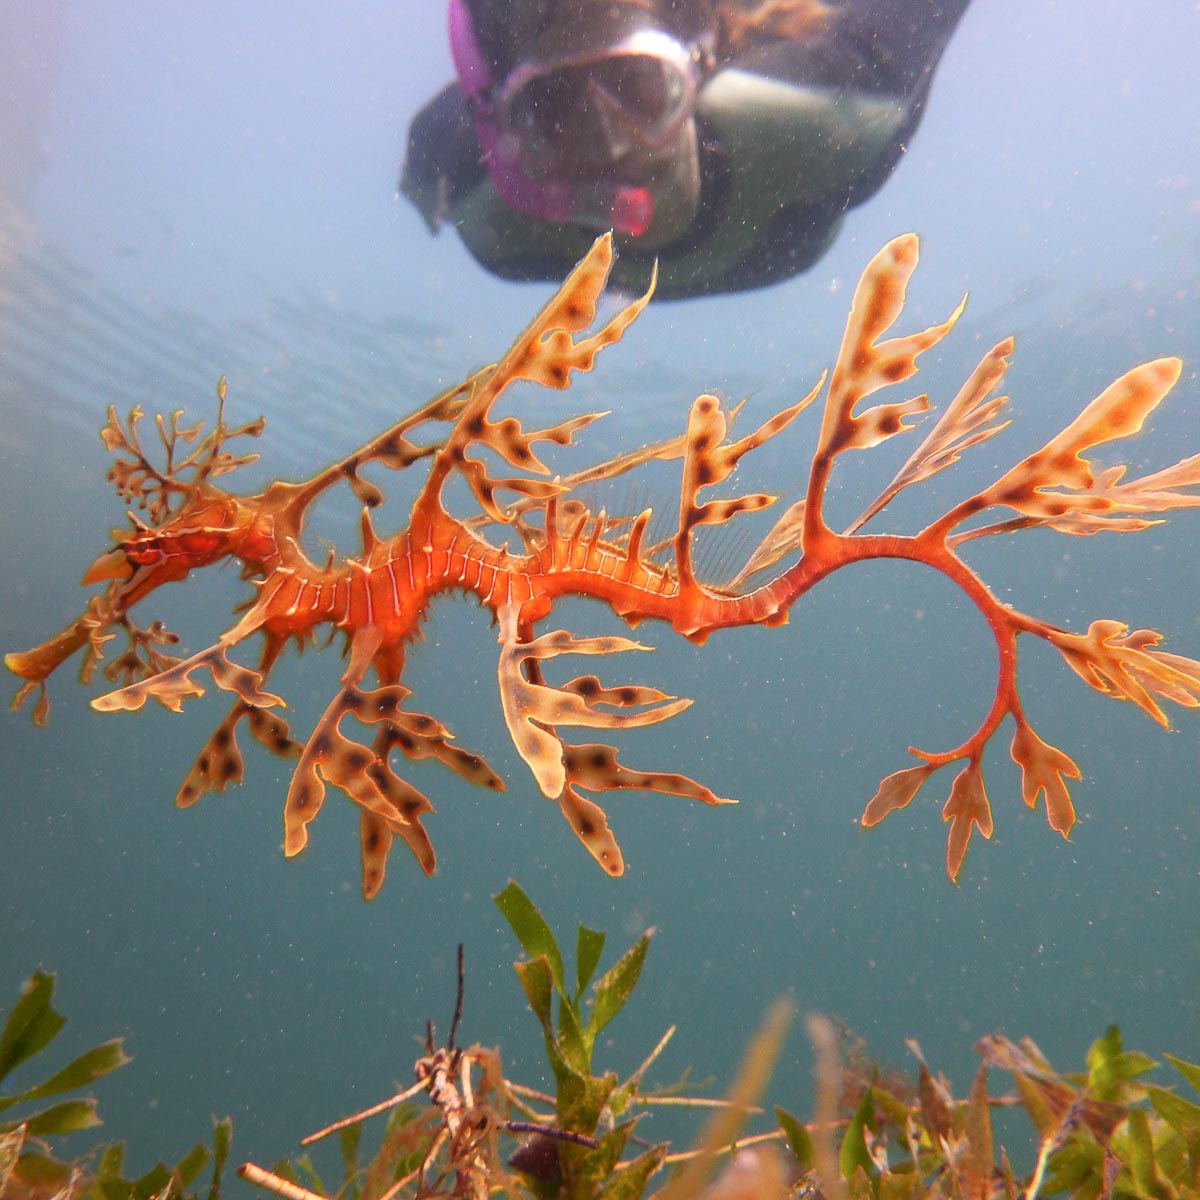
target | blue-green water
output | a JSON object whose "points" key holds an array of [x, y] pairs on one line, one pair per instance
{"points": [[188, 195]]}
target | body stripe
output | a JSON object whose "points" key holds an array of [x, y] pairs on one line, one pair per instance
{"points": [[370, 604], [391, 570]]}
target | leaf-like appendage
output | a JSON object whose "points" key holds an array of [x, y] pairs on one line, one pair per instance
{"points": [[595, 768], [1044, 769], [629, 695], [895, 792], [515, 446], [966, 810], [971, 418], [1122, 664], [375, 841], [377, 830], [709, 460], [1078, 524], [533, 709], [142, 659], [1120, 410], [171, 688], [530, 708], [163, 492], [865, 364], [485, 487], [590, 823], [1157, 492], [545, 353], [786, 535], [220, 763], [422, 736], [41, 709], [389, 805], [333, 757]]}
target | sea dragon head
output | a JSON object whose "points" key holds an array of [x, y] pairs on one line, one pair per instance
{"points": [[189, 522], [209, 526]]}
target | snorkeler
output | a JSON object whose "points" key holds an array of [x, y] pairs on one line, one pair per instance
{"points": [[723, 138]]}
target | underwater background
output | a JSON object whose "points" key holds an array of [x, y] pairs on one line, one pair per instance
{"points": [[187, 191]]}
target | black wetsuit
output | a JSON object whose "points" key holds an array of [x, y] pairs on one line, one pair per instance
{"points": [[791, 134]]}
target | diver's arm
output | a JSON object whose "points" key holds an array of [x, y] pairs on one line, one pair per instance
{"points": [[443, 161], [879, 46], [807, 128], [812, 125]]}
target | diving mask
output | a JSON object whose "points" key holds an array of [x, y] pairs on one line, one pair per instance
{"points": [[587, 129]]}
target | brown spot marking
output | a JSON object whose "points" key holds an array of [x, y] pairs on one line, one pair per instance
{"points": [[356, 760]]}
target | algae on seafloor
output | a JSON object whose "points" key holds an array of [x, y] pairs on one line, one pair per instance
{"points": [[1104, 1133], [29, 1167]]}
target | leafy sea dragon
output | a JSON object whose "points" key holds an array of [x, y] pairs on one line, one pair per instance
{"points": [[378, 596]]}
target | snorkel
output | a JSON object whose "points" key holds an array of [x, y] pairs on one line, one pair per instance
{"points": [[588, 127]]}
